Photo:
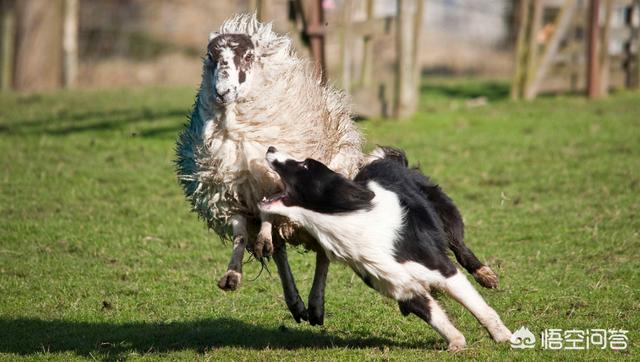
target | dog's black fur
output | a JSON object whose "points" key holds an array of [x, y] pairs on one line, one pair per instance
{"points": [[422, 187]]}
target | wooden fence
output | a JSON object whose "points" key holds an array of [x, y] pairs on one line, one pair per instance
{"points": [[376, 51], [574, 45], [378, 64]]}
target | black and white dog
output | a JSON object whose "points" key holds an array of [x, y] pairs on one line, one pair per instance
{"points": [[388, 225]]}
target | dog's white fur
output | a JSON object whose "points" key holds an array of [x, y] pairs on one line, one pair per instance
{"points": [[364, 240], [221, 152]]}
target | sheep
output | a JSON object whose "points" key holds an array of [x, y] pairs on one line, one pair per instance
{"points": [[256, 92]]}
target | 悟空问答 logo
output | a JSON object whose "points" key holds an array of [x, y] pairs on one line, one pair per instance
{"points": [[523, 338]]}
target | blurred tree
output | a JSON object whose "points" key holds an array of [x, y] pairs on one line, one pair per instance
{"points": [[512, 22]]}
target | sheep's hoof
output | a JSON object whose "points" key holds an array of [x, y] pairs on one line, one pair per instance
{"points": [[230, 281], [263, 246], [316, 315], [298, 311], [486, 277]]}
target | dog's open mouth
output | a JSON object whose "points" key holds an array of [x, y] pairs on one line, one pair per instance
{"points": [[282, 197]]}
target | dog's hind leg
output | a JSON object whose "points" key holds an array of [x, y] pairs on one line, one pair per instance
{"points": [[427, 309], [231, 279], [291, 295], [461, 290], [454, 229]]}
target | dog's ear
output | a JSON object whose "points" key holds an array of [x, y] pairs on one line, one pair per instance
{"points": [[351, 196]]}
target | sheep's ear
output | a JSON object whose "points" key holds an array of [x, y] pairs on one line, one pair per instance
{"points": [[213, 35]]}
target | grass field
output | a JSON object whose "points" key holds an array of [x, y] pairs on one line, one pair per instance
{"points": [[101, 258]]}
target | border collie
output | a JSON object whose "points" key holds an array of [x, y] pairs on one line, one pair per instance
{"points": [[385, 225]]}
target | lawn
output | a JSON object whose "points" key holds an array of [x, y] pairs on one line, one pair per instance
{"points": [[100, 256]]}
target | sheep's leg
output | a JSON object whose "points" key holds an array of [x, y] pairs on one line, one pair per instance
{"points": [[461, 290], [427, 309], [291, 295], [264, 243], [231, 279], [316, 296]]}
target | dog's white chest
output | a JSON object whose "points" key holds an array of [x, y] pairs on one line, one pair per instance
{"points": [[365, 238]]}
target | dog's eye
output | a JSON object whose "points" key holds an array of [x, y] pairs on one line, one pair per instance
{"points": [[210, 56], [305, 165], [248, 57]]}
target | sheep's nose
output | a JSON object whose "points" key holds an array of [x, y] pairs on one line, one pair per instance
{"points": [[272, 149]]}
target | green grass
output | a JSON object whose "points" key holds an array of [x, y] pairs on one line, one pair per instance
{"points": [[101, 258]]}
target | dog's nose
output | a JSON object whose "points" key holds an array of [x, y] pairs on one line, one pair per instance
{"points": [[272, 149]]}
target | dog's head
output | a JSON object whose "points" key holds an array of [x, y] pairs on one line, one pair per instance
{"points": [[310, 185]]}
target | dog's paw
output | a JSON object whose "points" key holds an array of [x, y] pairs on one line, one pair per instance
{"points": [[263, 246], [486, 277], [457, 345], [230, 281], [502, 335], [316, 314]]}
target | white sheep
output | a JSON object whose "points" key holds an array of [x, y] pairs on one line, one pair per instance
{"points": [[256, 93]]}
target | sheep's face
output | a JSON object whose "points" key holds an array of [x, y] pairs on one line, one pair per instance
{"points": [[230, 58]]}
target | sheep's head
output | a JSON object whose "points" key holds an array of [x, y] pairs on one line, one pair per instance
{"points": [[231, 58]]}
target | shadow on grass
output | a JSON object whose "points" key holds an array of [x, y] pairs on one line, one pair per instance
{"points": [[492, 90], [64, 124], [30, 336]]}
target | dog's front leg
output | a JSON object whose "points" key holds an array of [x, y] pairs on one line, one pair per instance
{"points": [[264, 242], [231, 279]]}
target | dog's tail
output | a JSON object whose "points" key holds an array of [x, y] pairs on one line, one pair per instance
{"points": [[449, 216]]}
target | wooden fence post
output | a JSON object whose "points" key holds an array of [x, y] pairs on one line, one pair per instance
{"points": [[7, 41], [345, 47], [593, 64], [315, 32], [523, 25], [261, 7], [605, 62], [407, 86], [635, 35], [563, 23], [417, 31], [532, 52], [70, 42], [367, 58], [38, 59]]}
